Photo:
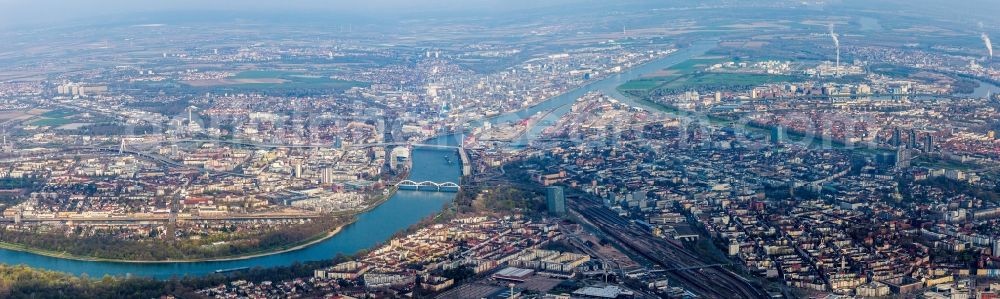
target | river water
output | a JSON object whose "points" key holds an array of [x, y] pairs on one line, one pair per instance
{"points": [[399, 212], [561, 104], [404, 209], [985, 89]]}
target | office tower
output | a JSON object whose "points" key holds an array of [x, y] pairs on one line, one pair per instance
{"points": [[555, 200], [928, 143], [896, 137], [777, 134], [996, 251], [326, 178], [902, 158], [192, 125], [912, 139], [7, 147]]}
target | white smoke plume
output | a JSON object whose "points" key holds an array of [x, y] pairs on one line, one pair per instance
{"points": [[836, 43], [989, 44], [836, 39]]}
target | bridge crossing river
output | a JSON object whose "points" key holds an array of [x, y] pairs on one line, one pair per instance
{"points": [[405, 208], [428, 186], [402, 210]]}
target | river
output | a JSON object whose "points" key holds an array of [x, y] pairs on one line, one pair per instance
{"points": [[561, 104], [404, 209], [985, 89], [399, 212]]}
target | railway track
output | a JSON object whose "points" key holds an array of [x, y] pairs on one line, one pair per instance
{"points": [[709, 282]]}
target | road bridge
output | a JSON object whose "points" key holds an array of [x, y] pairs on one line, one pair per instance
{"points": [[428, 186]]}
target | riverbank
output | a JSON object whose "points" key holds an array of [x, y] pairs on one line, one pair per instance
{"points": [[283, 249], [502, 117], [381, 200], [386, 213]]}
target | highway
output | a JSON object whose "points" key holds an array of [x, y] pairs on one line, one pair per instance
{"points": [[685, 268]]}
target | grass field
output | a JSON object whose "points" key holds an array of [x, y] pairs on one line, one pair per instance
{"points": [[642, 84], [55, 118], [53, 122], [690, 75], [669, 75], [58, 113], [695, 65]]}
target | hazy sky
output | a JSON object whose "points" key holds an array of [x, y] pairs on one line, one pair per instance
{"points": [[44, 13], [16, 13]]}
